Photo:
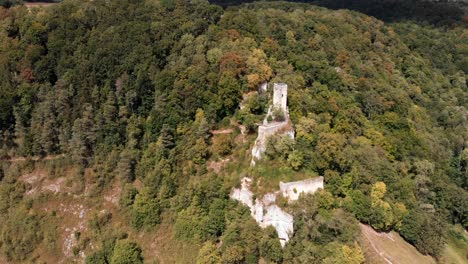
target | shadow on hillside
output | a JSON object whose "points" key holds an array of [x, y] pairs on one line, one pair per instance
{"points": [[431, 12]]}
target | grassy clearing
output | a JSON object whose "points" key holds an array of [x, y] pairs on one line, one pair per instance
{"points": [[389, 248], [163, 247], [456, 250]]}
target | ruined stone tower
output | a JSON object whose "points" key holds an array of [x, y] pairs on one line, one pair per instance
{"points": [[280, 96], [273, 127]]}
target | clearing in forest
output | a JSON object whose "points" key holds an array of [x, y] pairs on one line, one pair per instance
{"points": [[381, 247]]}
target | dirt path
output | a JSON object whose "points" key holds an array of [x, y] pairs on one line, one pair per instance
{"points": [[49, 157], [38, 4], [222, 131]]}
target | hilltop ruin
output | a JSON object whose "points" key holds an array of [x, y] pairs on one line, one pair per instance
{"points": [[276, 121], [265, 211]]}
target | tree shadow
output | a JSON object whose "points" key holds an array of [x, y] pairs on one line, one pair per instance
{"points": [[438, 13]]}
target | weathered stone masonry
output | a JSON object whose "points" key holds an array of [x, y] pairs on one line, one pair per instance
{"points": [[267, 129]]}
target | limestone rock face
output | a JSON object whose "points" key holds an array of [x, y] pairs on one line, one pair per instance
{"points": [[243, 195], [280, 220], [266, 212], [262, 88]]}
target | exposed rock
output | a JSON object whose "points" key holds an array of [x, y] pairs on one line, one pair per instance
{"points": [[78, 219], [39, 183], [280, 220], [263, 87], [113, 195], [243, 195], [266, 212], [217, 165]]}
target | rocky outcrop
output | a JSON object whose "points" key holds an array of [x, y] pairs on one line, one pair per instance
{"points": [[266, 212]]}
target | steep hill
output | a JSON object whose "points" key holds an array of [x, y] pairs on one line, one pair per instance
{"points": [[122, 138]]}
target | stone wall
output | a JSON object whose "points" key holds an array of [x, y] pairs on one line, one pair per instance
{"points": [[266, 212], [292, 190], [268, 130], [280, 94]]}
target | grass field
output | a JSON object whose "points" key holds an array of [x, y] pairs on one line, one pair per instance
{"points": [[389, 248], [456, 250]]}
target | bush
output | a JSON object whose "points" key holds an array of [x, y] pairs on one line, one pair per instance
{"points": [[146, 209], [425, 231], [270, 247], [128, 195], [249, 123], [278, 115], [20, 235], [256, 103], [296, 159], [96, 258], [126, 252], [222, 145], [209, 254]]}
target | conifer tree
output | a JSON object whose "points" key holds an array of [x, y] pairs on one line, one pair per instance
{"points": [[83, 136]]}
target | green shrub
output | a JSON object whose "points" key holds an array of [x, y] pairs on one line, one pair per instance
{"points": [[146, 209], [126, 252], [222, 145], [128, 195], [270, 247], [278, 114], [21, 234]]}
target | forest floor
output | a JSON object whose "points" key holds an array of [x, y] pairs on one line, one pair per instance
{"points": [[389, 248]]}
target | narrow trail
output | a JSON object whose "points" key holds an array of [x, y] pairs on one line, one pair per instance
{"points": [[223, 131], [21, 159]]}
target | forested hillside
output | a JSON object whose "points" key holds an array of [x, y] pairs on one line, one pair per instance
{"points": [[443, 12], [121, 134]]}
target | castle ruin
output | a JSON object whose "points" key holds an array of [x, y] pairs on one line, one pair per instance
{"points": [[292, 190], [280, 97], [272, 127], [266, 212]]}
